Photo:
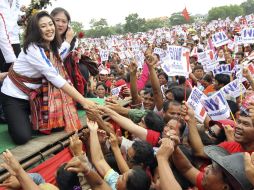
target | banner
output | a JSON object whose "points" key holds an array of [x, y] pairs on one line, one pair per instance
{"points": [[233, 89], [216, 106], [177, 62], [222, 69], [104, 55], [220, 39], [247, 35], [194, 101], [116, 91]]}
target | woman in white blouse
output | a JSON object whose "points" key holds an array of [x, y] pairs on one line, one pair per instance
{"points": [[38, 83]]}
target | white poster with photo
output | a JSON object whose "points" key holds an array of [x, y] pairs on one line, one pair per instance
{"points": [[247, 35], [116, 91], [238, 40], [233, 89], [194, 101], [104, 55], [158, 51], [216, 106], [220, 39], [177, 62], [222, 69], [210, 66]]}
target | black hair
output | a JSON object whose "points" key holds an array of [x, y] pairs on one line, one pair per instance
{"points": [[148, 91], [166, 104], [222, 79], [164, 74], [179, 93], [144, 153], [181, 80], [208, 78], [154, 121], [197, 67], [33, 34], [233, 106], [101, 84], [66, 180], [110, 159], [138, 179], [240, 53]]}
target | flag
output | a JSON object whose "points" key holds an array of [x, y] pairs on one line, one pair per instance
{"points": [[186, 14]]}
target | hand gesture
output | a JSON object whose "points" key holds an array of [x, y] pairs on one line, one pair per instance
{"points": [[106, 110], [151, 59], [92, 125], [102, 136], [76, 145], [172, 135], [114, 105], [77, 165], [88, 105], [85, 135], [229, 132], [11, 183], [113, 141], [246, 73], [166, 149], [10, 163], [187, 112], [93, 114], [69, 35], [133, 66], [249, 166]]}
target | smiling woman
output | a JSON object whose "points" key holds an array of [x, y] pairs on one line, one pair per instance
{"points": [[37, 84]]}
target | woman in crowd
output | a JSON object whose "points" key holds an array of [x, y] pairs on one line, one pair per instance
{"points": [[38, 83]]}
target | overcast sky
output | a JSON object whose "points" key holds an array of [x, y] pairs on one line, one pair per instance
{"points": [[115, 11]]}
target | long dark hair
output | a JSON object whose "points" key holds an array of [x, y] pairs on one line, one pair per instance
{"points": [[33, 34], [53, 13]]}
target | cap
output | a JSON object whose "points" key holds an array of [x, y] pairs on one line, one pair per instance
{"points": [[103, 72], [232, 165], [220, 123]]}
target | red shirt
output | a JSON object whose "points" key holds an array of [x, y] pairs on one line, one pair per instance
{"points": [[199, 181], [233, 147], [152, 137]]}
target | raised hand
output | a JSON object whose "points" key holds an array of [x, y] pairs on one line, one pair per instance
{"points": [[166, 149], [78, 165], [76, 145], [133, 66], [92, 125], [151, 59], [187, 112], [10, 163], [69, 35], [113, 141]]}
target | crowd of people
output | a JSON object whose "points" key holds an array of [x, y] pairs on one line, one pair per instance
{"points": [[161, 140]]}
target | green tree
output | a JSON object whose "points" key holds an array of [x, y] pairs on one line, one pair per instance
{"points": [[223, 12], [134, 23], [178, 19], [156, 23], [248, 7], [77, 26]]}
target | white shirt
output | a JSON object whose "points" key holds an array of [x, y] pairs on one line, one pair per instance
{"points": [[5, 44], [10, 10], [34, 64]]}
